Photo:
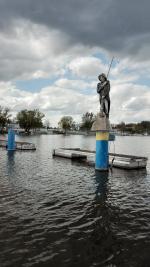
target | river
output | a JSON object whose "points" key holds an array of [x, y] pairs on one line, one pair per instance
{"points": [[55, 212]]}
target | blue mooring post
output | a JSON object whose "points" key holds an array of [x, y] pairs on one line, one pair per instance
{"points": [[11, 140], [102, 128], [102, 155]]}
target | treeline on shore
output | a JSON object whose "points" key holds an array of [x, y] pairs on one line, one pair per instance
{"points": [[34, 119], [142, 127]]}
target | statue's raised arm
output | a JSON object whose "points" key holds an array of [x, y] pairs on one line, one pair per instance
{"points": [[103, 89]]}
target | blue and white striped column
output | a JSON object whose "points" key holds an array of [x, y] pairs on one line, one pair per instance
{"points": [[11, 140], [102, 155]]}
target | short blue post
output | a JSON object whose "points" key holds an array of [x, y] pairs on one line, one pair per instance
{"points": [[102, 155], [11, 140]]}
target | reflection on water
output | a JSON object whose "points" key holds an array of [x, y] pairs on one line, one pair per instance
{"points": [[10, 162], [54, 212], [104, 246], [101, 185]]}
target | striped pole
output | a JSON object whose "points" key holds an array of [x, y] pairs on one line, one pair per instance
{"points": [[11, 140], [102, 156]]}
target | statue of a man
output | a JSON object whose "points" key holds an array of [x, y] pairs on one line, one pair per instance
{"points": [[103, 88]]}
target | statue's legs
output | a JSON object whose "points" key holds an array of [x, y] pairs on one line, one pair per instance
{"points": [[106, 107], [102, 107]]}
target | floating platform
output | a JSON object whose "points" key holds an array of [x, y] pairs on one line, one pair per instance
{"points": [[67, 153], [115, 160], [19, 145]]}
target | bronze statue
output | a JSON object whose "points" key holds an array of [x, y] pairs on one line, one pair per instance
{"points": [[103, 88]]}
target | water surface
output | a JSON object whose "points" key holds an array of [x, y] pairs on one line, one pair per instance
{"points": [[54, 212]]}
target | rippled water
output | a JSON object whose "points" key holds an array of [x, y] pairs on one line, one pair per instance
{"points": [[54, 212]]}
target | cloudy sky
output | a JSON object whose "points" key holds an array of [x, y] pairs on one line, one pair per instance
{"points": [[52, 51]]}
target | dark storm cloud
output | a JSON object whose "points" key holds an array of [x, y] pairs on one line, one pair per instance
{"points": [[116, 25]]}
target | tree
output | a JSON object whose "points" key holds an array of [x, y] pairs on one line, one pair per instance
{"points": [[4, 116], [87, 120], [66, 123], [121, 127], [47, 124], [143, 126], [30, 119]]}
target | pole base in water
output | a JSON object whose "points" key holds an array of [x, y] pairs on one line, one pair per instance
{"points": [[101, 169]]}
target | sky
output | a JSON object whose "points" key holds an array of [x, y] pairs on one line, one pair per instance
{"points": [[52, 51]]}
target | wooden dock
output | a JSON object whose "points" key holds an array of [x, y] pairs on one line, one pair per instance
{"points": [[115, 160], [19, 145]]}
